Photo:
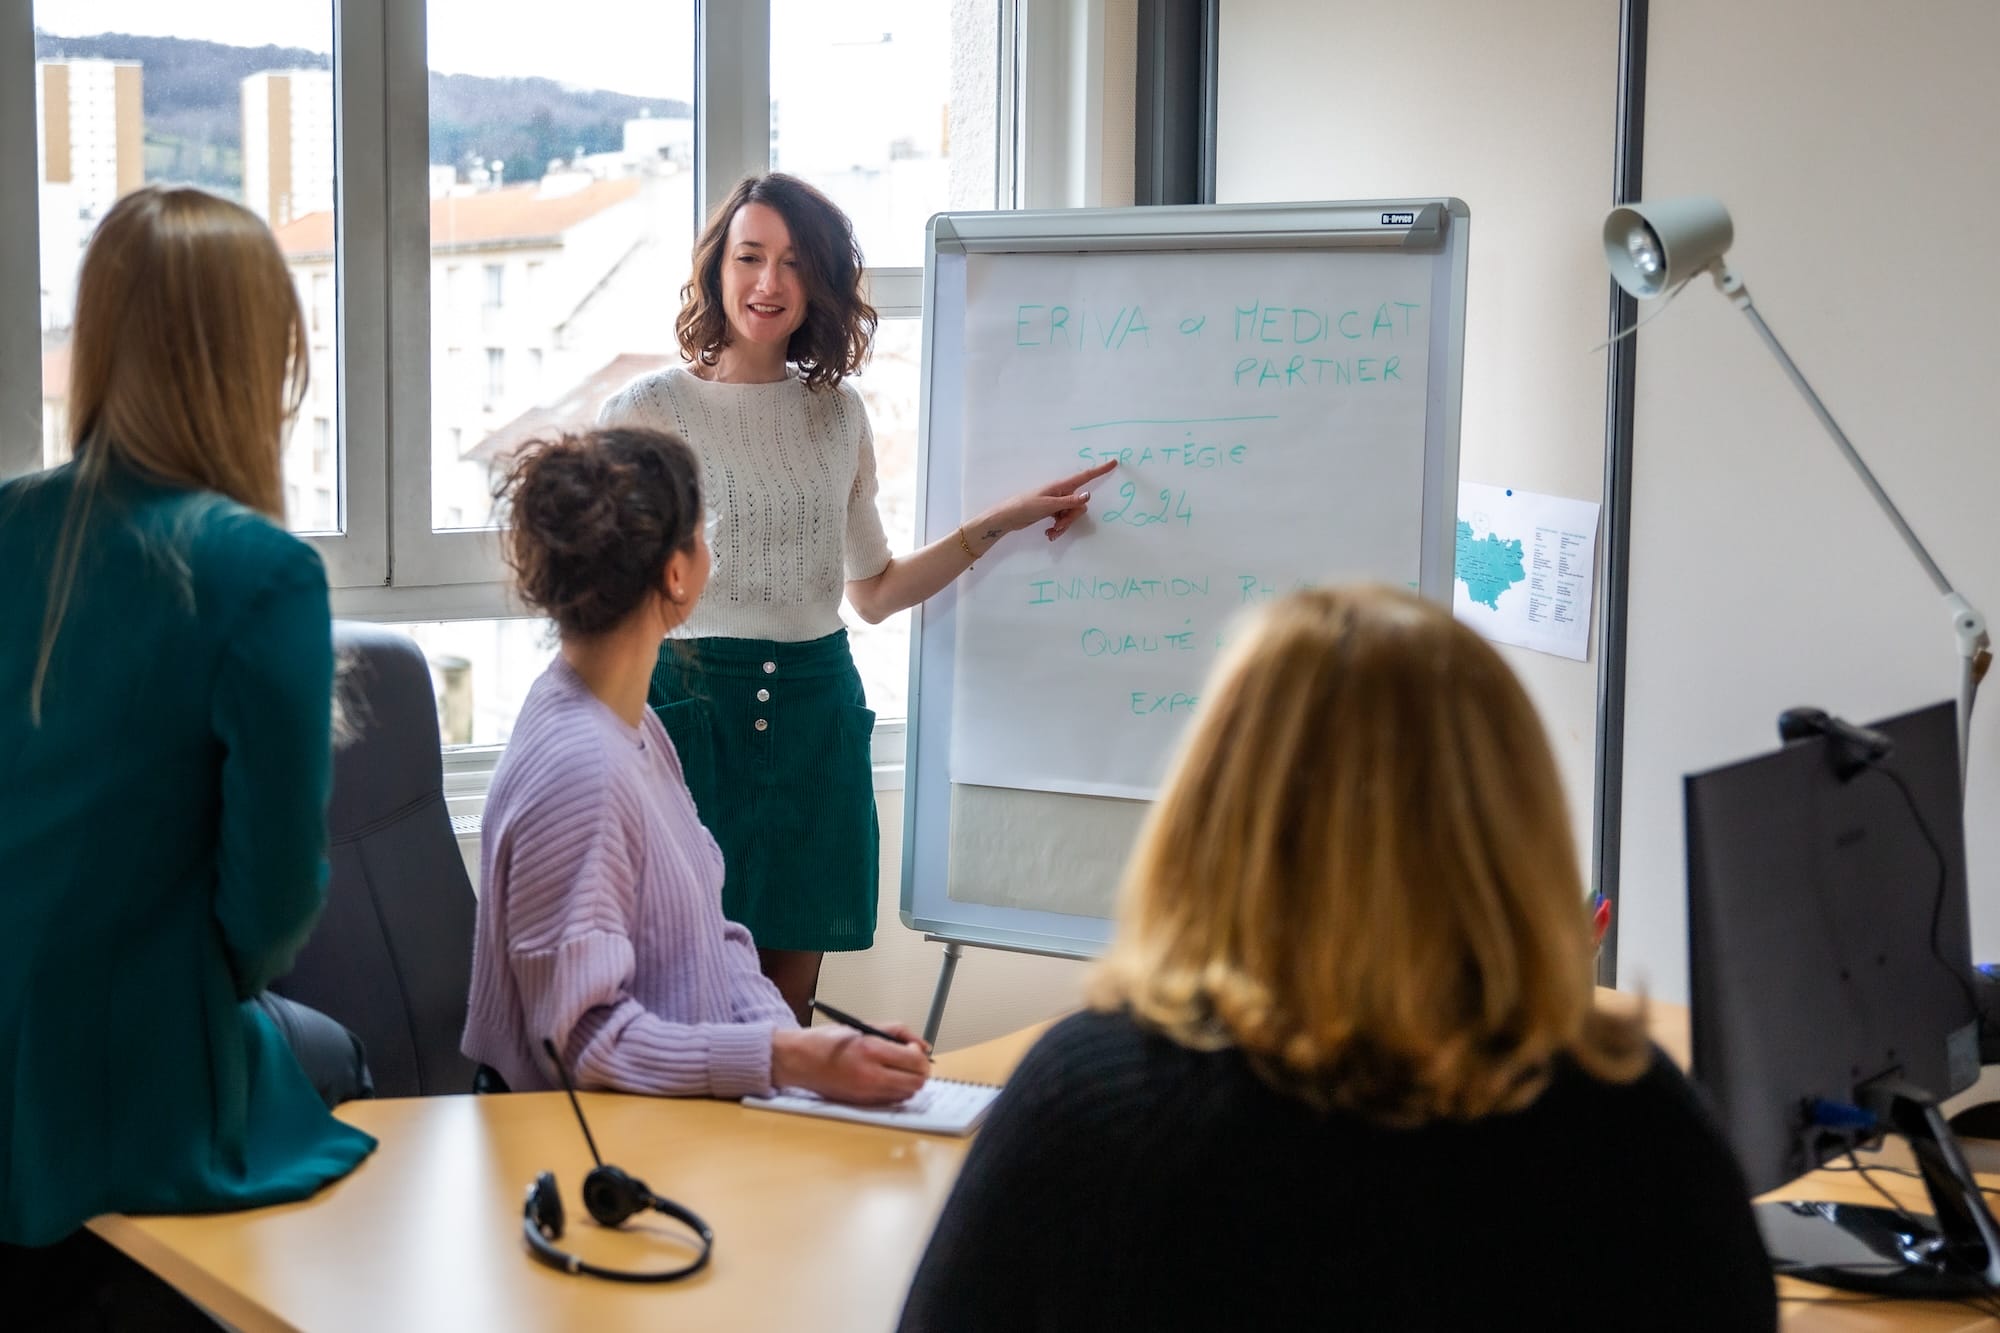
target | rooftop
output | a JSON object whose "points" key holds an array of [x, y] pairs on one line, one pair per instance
{"points": [[575, 410], [511, 215]]}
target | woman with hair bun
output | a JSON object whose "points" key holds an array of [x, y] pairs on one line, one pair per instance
{"points": [[769, 713], [600, 921]]}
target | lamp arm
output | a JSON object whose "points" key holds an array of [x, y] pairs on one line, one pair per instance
{"points": [[1732, 287], [1974, 645]]}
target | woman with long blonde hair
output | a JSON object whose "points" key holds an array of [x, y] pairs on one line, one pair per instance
{"points": [[166, 668], [1343, 1066]]}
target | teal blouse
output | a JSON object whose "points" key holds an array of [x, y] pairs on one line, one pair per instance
{"points": [[162, 857]]}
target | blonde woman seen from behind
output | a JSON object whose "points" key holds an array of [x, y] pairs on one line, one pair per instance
{"points": [[1343, 1066]]}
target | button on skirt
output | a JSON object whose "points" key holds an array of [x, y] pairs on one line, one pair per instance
{"points": [[774, 739]]}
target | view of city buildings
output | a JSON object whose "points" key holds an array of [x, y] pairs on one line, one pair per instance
{"points": [[288, 143], [89, 149], [552, 284]]}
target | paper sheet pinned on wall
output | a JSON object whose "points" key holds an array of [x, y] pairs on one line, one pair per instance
{"points": [[1526, 565]]}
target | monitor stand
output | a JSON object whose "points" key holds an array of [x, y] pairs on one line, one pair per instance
{"points": [[1954, 1253]]}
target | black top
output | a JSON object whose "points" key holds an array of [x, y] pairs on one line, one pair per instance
{"points": [[1126, 1182]]}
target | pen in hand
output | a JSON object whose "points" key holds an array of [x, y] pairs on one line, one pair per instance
{"points": [[869, 1029]]}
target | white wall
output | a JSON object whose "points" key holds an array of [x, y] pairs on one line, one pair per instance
{"points": [[1853, 143], [1510, 108]]}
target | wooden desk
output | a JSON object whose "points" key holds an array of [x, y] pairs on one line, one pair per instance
{"points": [[818, 1224]]}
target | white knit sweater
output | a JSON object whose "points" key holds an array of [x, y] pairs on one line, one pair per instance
{"points": [[789, 473]]}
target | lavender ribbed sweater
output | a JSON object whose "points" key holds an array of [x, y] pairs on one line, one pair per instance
{"points": [[600, 919]]}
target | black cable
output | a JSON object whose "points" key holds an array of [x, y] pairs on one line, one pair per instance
{"points": [[1937, 899], [1894, 1203]]}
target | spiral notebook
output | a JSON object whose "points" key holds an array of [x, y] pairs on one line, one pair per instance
{"points": [[941, 1106]]}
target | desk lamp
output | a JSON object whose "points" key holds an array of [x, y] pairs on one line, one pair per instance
{"points": [[1652, 250]]}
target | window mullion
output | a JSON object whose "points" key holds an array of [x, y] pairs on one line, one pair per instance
{"points": [[419, 556], [1008, 115], [896, 293], [359, 557], [732, 95], [407, 219], [20, 247]]}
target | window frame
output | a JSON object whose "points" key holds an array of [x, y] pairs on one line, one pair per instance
{"points": [[358, 552], [358, 555], [458, 574], [20, 251]]}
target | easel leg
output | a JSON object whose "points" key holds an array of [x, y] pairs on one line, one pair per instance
{"points": [[943, 992]]}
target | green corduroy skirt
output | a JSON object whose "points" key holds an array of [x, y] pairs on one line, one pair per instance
{"points": [[774, 739]]}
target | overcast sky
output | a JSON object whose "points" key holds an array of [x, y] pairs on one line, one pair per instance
{"points": [[642, 47]]}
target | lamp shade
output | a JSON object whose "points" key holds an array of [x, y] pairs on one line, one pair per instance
{"points": [[1654, 247]]}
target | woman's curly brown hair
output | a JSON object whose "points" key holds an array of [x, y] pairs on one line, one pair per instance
{"points": [[833, 341], [595, 518]]}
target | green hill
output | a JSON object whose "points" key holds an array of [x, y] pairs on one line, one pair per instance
{"points": [[194, 121]]}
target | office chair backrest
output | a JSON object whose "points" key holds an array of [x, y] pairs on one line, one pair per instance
{"points": [[392, 956]]}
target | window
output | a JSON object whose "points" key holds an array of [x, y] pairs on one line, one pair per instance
{"points": [[235, 99], [547, 150], [896, 69], [568, 140], [481, 671], [917, 86], [890, 386]]}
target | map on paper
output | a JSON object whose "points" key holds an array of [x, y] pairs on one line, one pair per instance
{"points": [[1525, 566]]}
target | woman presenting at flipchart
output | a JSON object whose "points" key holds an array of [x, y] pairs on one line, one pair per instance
{"points": [[758, 690]]}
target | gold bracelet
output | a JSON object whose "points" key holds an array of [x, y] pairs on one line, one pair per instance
{"points": [[970, 554]]}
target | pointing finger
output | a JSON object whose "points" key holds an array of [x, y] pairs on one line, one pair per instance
{"points": [[1070, 483]]}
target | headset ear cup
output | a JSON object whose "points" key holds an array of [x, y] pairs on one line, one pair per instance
{"points": [[611, 1196], [542, 1224], [544, 1208]]}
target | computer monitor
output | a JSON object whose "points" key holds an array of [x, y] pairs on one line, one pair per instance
{"points": [[1830, 968]]}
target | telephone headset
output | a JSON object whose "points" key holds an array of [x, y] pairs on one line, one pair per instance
{"points": [[610, 1196]]}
